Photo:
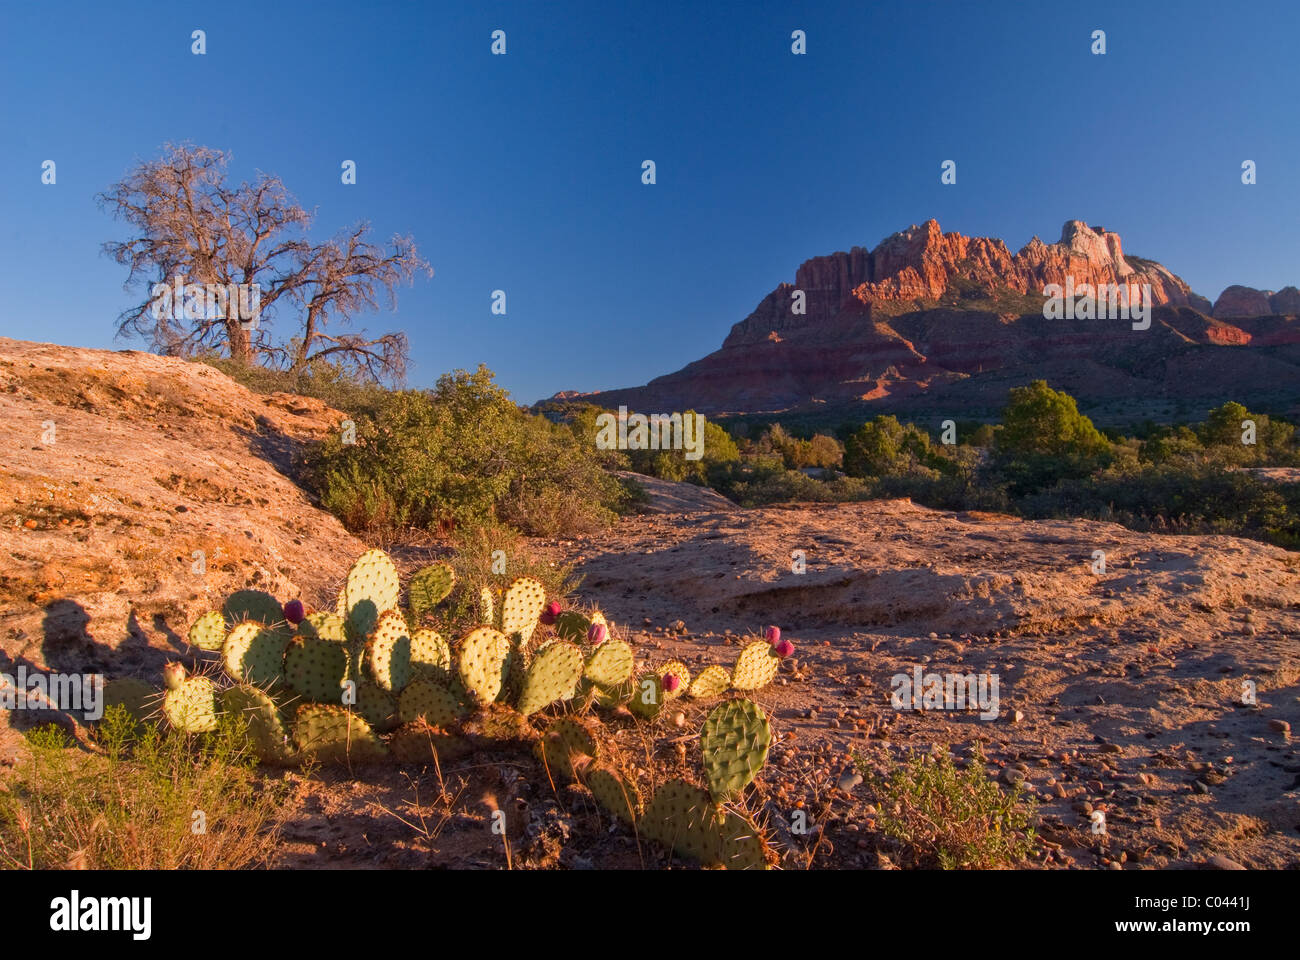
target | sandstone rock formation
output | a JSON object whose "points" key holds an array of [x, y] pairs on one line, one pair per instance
{"points": [[118, 467], [939, 320]]}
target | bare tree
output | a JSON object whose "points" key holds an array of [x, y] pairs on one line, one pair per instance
{"points": [[191, 224]]}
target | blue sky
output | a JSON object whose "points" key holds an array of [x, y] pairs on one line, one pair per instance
{"points": [[523, 172]]}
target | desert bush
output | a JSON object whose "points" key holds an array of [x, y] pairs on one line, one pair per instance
{"points": [[132, 804], [462, 454], [321, 379], [1044, 438], [948, 818]]}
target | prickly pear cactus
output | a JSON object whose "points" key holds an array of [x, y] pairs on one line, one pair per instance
{"points": [[610, 664], [486, 607], [327, 626], [568, 744], [755, 667], [741, 844], [138, 698], [315, 668], [422, 742], [254, 653], [572, 626], [192, 706], [522, 607], [615, 793], [552, 676], [430, 587], [648, 698], [713, 681], [244, 605], [388, 654], [373, 587], [734, 745], [681, 818], [261, 716], [376, 705], [209, 631], [430, 700], [678, 670], [334, 735], [430, 656], [483, 663]]}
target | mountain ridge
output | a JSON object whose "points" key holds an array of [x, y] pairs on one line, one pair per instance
{"points": [[928, 318]]}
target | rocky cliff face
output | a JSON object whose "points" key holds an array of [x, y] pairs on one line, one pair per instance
{"points": [[924, 264], [927, 314]]}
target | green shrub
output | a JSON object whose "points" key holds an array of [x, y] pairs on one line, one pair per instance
{"points": [[462, 454], [1044, 438], [948, 818]]}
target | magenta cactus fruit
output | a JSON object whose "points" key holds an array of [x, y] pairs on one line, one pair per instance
{"points": [[772, 635], [783, 648], [551, 613], [672, 682], [294, 612], [596, 634]]}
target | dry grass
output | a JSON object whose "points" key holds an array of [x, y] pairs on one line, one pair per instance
{"points": [[139, 800]]}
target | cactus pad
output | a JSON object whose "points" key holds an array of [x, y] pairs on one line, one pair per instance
{"points": [[497, 725], [430, 587], [486, 607], [680, 817], [373, 588], [192, 706], [572, 626], [713, 681], [678, 670], [209, 631], [523, 604], [327, 626], [332, 734], [483, 663], [315, 668], [388, 654], [567, 742], [376, 705], [255, 605], [430, 700], [741, 845], [734, 744], [552, 676], [430, 656], [138, 698], [254, 653], [422, 742], [755, 667], [615, 793], [262, 719], [610, 664], [648, 697]]}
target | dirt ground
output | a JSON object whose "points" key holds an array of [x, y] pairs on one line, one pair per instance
{"points": [[1119, 692]]}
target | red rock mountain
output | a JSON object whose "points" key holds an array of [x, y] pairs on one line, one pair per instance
{"points": [[934, 321]]}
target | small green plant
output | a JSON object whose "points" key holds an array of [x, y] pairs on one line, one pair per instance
{"points": [[144, 799], [949, 818]]}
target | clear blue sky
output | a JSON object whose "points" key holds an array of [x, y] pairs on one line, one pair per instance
{"points": [[523, 172]]}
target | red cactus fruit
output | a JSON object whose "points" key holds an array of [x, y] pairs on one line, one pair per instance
{"points": [[672, 682], [596, 634], [294, 612], [772, 635], [552, 612], [783, 648]]}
